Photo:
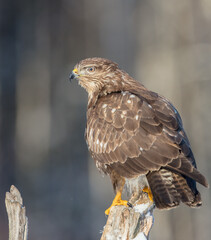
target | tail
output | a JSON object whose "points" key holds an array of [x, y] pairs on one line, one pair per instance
{"points": [[170, 188]]}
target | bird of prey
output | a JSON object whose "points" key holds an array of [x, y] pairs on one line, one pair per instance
{"points": [[136, 136]]}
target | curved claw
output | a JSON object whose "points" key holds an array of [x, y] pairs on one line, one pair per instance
{"points": [[117, 202], [148, 191]]}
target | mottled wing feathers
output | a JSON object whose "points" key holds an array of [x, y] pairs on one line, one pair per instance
{"points": [[135, 135]]}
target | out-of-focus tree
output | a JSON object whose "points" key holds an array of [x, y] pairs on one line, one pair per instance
{"points": [[8, 67]]}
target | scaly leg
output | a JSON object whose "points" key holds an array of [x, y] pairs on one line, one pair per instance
{"points": [[148, 191], [116, 202]]}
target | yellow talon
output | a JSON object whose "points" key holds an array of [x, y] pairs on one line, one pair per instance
{"points": [[116, 202], [148, 191]]}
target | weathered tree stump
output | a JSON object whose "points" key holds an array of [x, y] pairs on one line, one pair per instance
{"points": [[127, 223], [18, 222]]}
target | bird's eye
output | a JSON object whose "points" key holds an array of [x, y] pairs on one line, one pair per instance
{"points": [[91, 69]]}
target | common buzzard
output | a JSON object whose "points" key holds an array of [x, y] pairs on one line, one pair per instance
{"points": [[136, 135]]}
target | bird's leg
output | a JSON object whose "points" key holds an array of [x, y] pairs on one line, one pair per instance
{"points": [[118, 185], [148, 191], [117, 201]]}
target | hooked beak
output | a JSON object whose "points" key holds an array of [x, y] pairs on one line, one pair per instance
{"points": [[74, 74]]}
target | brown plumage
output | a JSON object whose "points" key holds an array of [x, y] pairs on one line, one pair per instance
{"points": [[133, 132]]}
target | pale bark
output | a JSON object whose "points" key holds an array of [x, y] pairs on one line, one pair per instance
{"points": [[18, 222], [127, 223]]}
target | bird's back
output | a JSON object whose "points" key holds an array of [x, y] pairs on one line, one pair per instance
{"points": [[135, 136]]}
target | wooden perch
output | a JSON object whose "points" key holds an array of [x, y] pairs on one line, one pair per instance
{"points": [[18, 222], [130, 223], [124, 223]]}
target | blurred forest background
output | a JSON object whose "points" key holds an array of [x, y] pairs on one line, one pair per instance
{"points": [[164, 44]]}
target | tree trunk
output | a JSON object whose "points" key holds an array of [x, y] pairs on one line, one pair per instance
{"points": [[127, 223]]}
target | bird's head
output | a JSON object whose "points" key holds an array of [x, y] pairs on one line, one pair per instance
{"points": [[98, 76]]}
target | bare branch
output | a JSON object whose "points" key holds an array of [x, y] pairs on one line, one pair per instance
{"points": [[18, 222]]}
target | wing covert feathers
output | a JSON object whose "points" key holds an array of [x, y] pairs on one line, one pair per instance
{"points": [[136, 134]]}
